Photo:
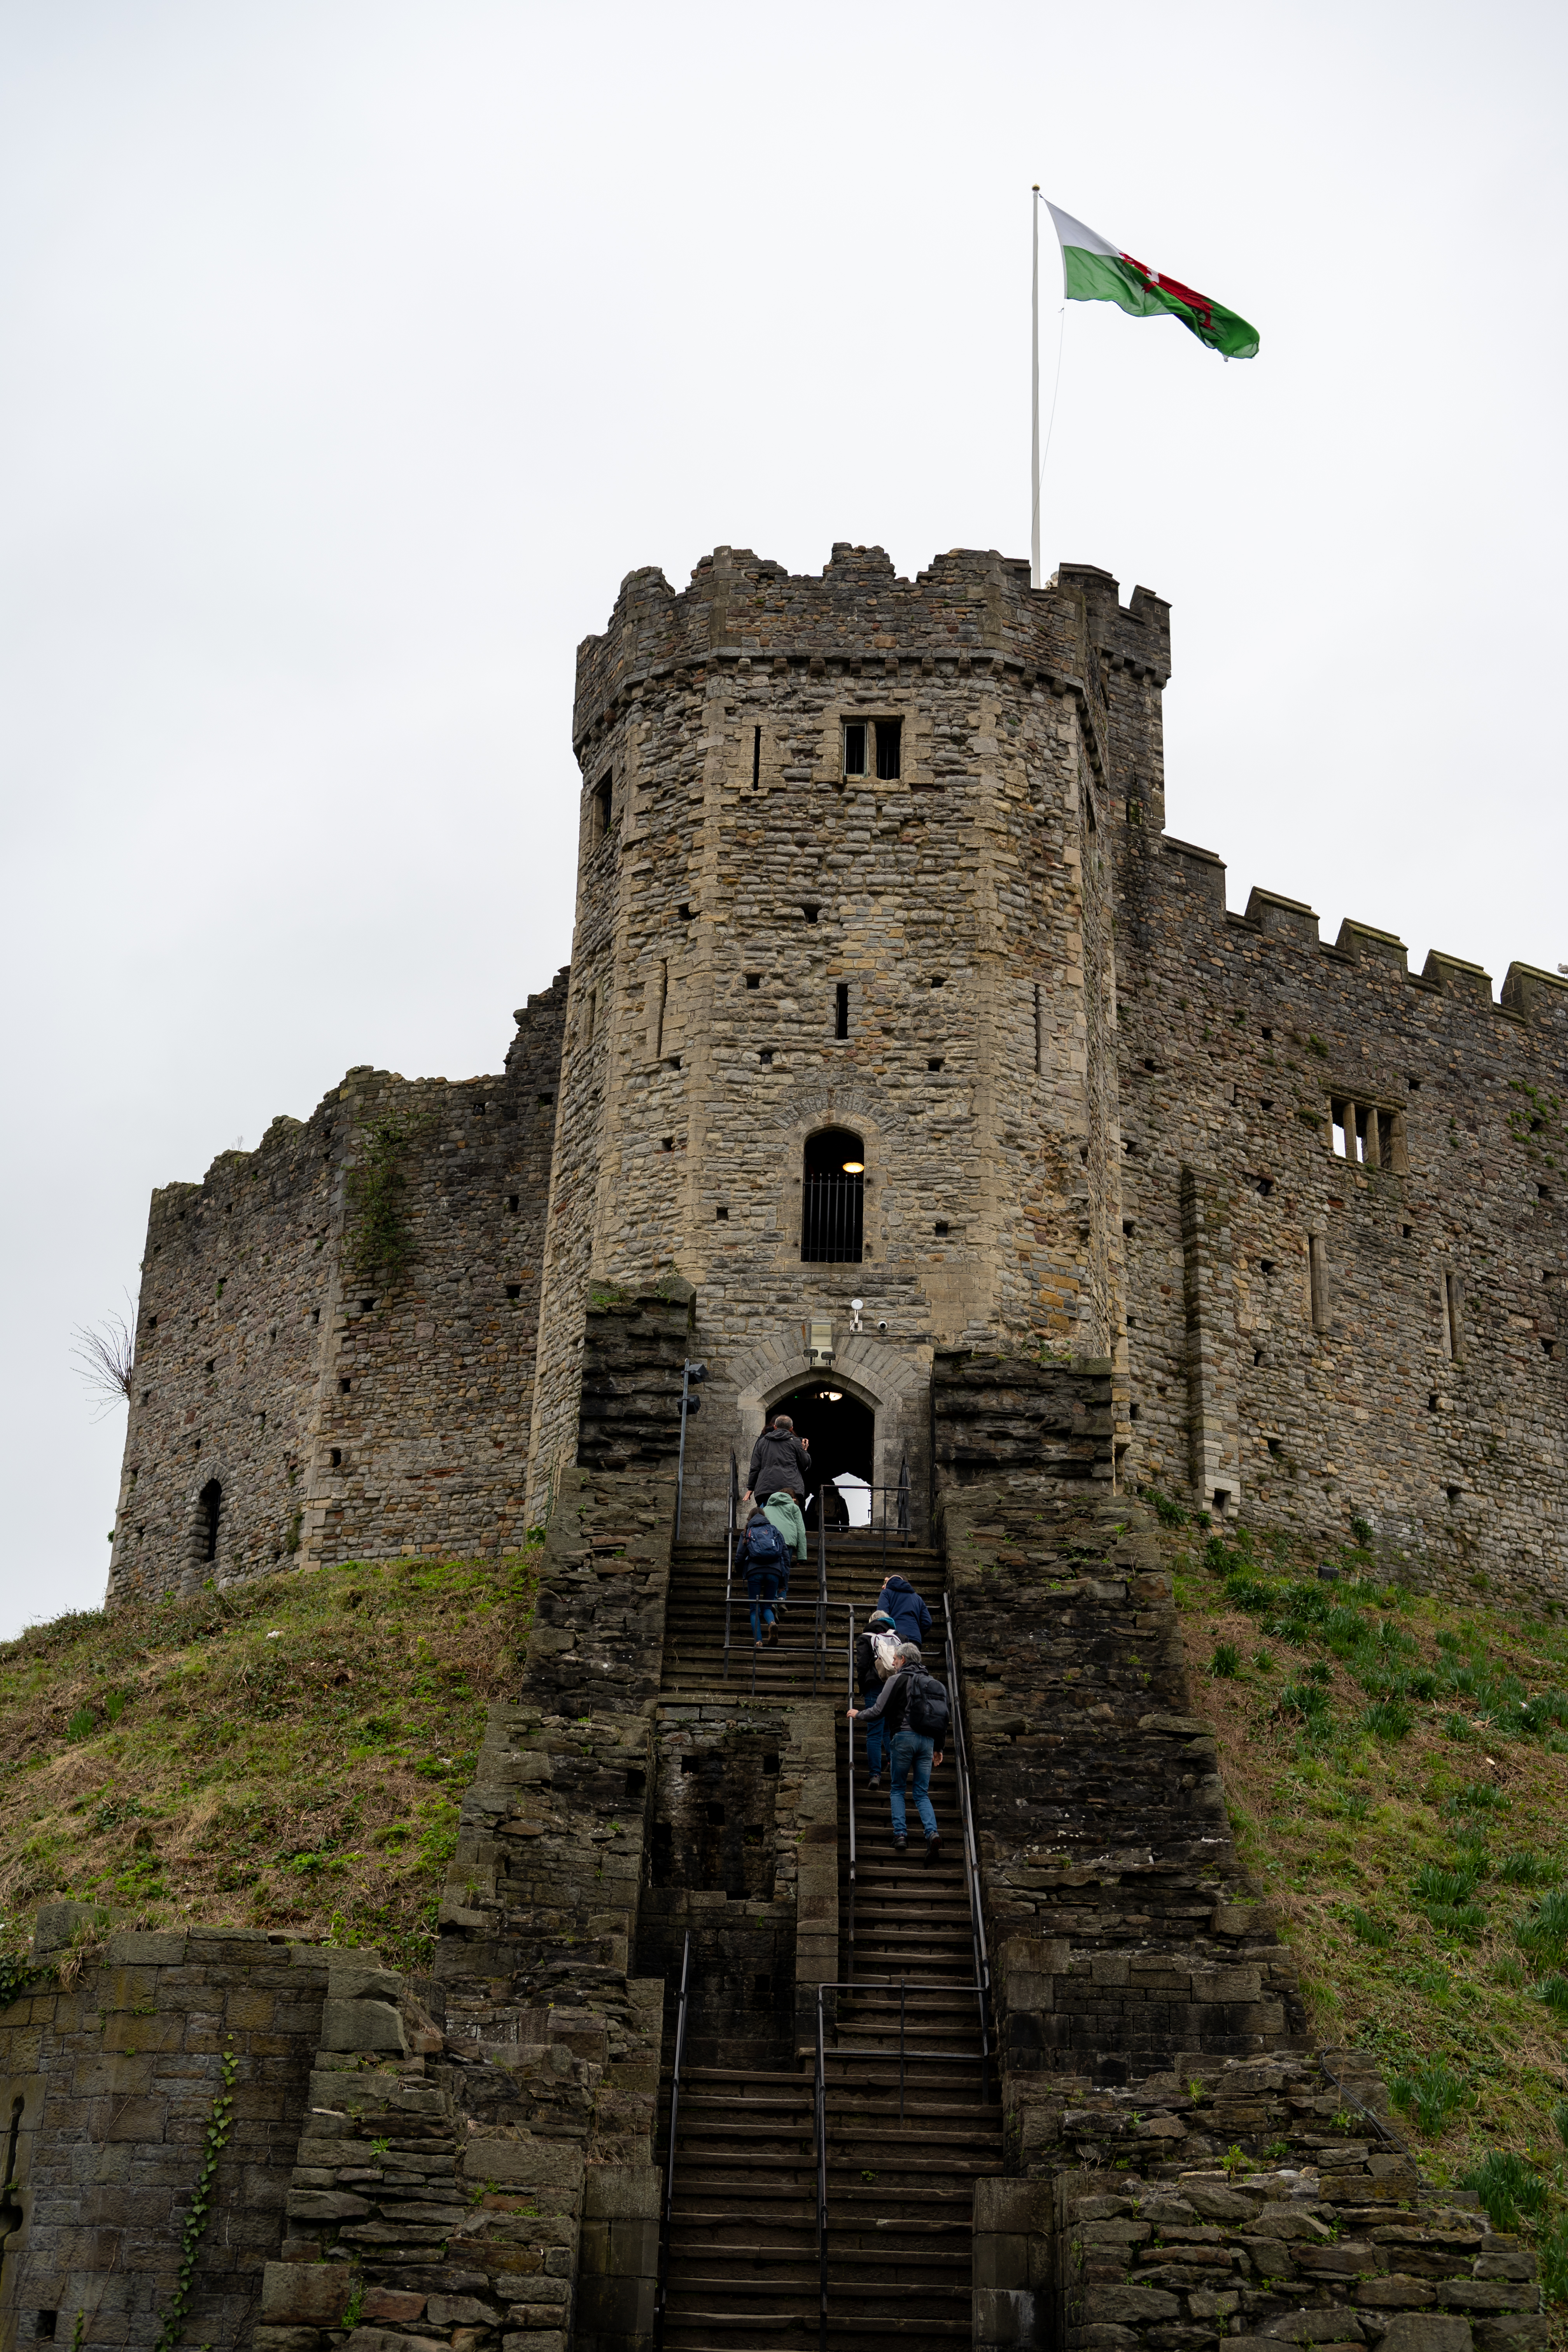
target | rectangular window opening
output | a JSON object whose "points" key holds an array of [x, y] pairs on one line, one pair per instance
{"points": [[342, 1387], [1039, 1031], [934, 1062], [514, 1289], [1453, 1316], [660, 999], [753, 980], [513, 1201], [603, 811], [841, 1011], [1344, 1115], [756, 757], [854, 747], [1318, 1277], [722, 1215], [890, 746], [942, 1224]]}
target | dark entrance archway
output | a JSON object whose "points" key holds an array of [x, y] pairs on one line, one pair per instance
{"points": [[837, 1428]]}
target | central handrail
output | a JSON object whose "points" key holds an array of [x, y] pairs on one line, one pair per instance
{"points": [[970, 1849], [819, 1632], [821, 2119], [906, 2056], [730, 1553], [662, 2290], [849, 1727]]}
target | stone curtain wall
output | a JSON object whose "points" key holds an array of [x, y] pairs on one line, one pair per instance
{"points": [[1124, 1926], [1315, 1339], [964, 906], [336, 1429], [1187, 2171], [118, 2076], [1337, 2241]]}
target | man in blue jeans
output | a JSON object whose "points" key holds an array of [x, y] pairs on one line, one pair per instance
{"points": [[763, 1560], [912, 1756]]}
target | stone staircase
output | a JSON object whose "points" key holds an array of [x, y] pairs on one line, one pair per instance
{"points": [[694, 1623], [744, 2270]]}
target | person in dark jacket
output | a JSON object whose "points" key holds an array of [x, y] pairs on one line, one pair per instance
{"points": [[778, 1460], [763, 1559], [908, 1613], [913, 1754], [869, 1683]]}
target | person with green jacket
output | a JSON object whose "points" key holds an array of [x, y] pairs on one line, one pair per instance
{"points": [[782, 1509]]}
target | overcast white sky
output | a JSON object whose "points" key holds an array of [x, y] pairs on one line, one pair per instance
{"points": [[355, 349]]}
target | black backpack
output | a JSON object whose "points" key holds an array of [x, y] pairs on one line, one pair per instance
{"points": [[927, 1709], [765, 1547]]}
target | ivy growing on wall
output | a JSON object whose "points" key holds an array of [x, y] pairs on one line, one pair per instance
{"points": [[381, 1242], [220, 2123]]}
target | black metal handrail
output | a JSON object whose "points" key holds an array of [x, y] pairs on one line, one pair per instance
{"points": [[821, 2122], [971, 1847], [733, 1513], [906, 2056], [849, 1727], [819, 1632], [662, 2290]]}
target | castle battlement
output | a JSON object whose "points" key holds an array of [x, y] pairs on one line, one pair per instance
{"points": [[873, 877]]}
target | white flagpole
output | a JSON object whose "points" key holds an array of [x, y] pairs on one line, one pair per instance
{"points": [[1034, 581]]}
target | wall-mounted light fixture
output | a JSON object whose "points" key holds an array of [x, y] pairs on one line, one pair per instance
{"points": [[855, 1306]]}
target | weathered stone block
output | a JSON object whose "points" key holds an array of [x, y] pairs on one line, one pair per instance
{"points": [[362, 2025], [305, 2295], [1426, 2331]]}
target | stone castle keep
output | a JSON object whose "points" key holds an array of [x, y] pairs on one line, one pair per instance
{"points": [[875, 870], [906, 1069]]}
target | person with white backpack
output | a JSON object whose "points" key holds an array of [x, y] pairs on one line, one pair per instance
{"points": [[913, 1705], [876, 1661]]}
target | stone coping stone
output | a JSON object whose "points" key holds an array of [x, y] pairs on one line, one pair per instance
{"points": [[131, 1947]]}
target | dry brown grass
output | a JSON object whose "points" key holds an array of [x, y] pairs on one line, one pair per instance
{"points": [[289, 1753]]}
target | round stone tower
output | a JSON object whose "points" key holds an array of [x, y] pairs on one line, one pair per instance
{"points": [[839, 1042]]}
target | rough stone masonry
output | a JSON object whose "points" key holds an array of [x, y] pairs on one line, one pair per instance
{"points": [[888, 858]]}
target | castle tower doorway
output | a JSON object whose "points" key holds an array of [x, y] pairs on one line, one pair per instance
{"points": [[840, 1432]]}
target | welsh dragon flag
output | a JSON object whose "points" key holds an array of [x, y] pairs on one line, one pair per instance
{"points": [[1095, 271]]}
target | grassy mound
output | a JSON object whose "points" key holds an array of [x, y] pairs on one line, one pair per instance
{"points": [[1398, 1773], [287, 1753]]}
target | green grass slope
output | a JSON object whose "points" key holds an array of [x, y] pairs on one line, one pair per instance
{"points": [[1398, 1773], [289, 1753]]}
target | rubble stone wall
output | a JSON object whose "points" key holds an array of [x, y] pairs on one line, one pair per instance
{"points": [[734, 880], [341, 1410], [1317, 1335]]}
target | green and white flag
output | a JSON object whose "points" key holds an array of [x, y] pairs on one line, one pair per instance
{"points": [[1096, 271]]}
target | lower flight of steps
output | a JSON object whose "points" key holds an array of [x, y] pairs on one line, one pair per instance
{"points": [[694, 1624], [743, 2272]]}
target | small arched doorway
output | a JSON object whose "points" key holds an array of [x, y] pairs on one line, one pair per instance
{"points": [[832, 1198], [839, 1433]]}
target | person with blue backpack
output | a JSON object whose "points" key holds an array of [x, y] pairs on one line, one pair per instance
{"points": [[764, 1556]]}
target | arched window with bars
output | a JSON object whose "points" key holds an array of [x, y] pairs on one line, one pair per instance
{"points": [[832, 1198]]}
